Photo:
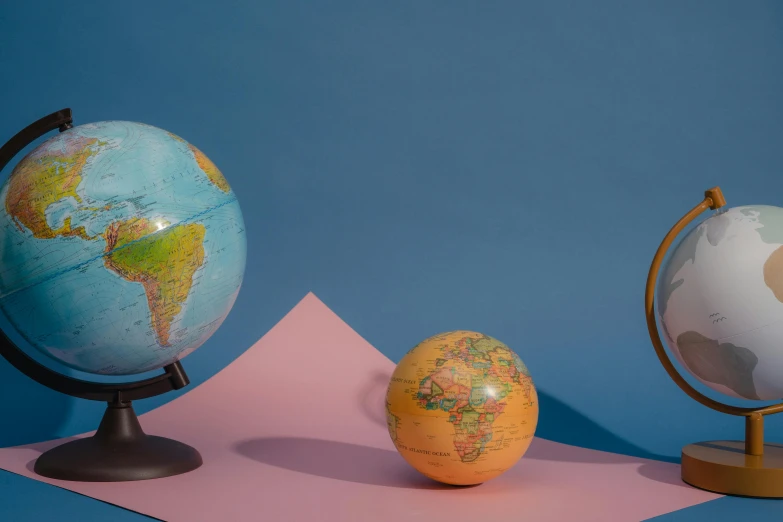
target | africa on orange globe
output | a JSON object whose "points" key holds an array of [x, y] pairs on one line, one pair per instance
{"points": [[461, 408]]}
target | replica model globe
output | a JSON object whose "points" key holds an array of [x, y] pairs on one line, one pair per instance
{"points": [[720, 302], [122, 248], [461, 408]]}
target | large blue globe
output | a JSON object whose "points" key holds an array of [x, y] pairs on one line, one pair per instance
{"points": [[122, 248]]}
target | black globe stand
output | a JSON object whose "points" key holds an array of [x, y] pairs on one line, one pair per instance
{"points": [[119, 450]]}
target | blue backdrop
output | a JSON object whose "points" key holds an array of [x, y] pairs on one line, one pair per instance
{"points": [[506, 167]]}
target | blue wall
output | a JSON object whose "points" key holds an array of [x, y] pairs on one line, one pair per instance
{"points": [[507, 167]]}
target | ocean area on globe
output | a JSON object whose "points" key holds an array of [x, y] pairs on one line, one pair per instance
{"points": [[122, 248], [720, 302], [461, 408]]}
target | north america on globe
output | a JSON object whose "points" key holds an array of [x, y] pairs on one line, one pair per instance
{"points": [[122, 247]]}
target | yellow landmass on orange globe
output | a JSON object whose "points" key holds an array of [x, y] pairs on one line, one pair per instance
{"points": [[46, 179], [461, 408], [162, 258]]}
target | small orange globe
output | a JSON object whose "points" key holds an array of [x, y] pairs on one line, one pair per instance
{"points": [[461, 408]]}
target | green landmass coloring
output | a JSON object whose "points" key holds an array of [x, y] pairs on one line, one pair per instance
{"points": [[163, 259]]}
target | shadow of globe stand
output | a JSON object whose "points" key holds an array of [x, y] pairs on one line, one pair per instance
{"points": [[119, 450]]}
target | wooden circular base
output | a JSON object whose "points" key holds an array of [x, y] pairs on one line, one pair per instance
{"points": [[723, 467]]}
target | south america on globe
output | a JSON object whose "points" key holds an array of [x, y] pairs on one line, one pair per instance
{"points": [[720, 302], [122, 248], [461, 408]]}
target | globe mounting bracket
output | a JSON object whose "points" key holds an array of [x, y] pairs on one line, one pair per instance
{"points": [[750, 468], [119, 450]]}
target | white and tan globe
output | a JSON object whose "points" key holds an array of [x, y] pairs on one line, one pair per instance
{"points": [[720, 302]]}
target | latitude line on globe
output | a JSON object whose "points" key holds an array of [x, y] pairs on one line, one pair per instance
{"points": [[104, 254]]}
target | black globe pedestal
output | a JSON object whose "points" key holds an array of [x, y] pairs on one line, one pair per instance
{"points": [[119, 450]]}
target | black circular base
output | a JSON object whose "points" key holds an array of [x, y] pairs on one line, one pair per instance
{"points": [[119, 451], [91, 460]]}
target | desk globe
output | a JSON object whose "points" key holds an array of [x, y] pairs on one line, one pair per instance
{"points": [[721, 302], [720, 307], [461, 408], [122, 250]]}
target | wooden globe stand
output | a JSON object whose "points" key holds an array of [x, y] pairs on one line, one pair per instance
{"points": [[119, 450], [747, 468]]}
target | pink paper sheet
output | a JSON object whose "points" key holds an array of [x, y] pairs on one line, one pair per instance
{"points": [[295, 430]]}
